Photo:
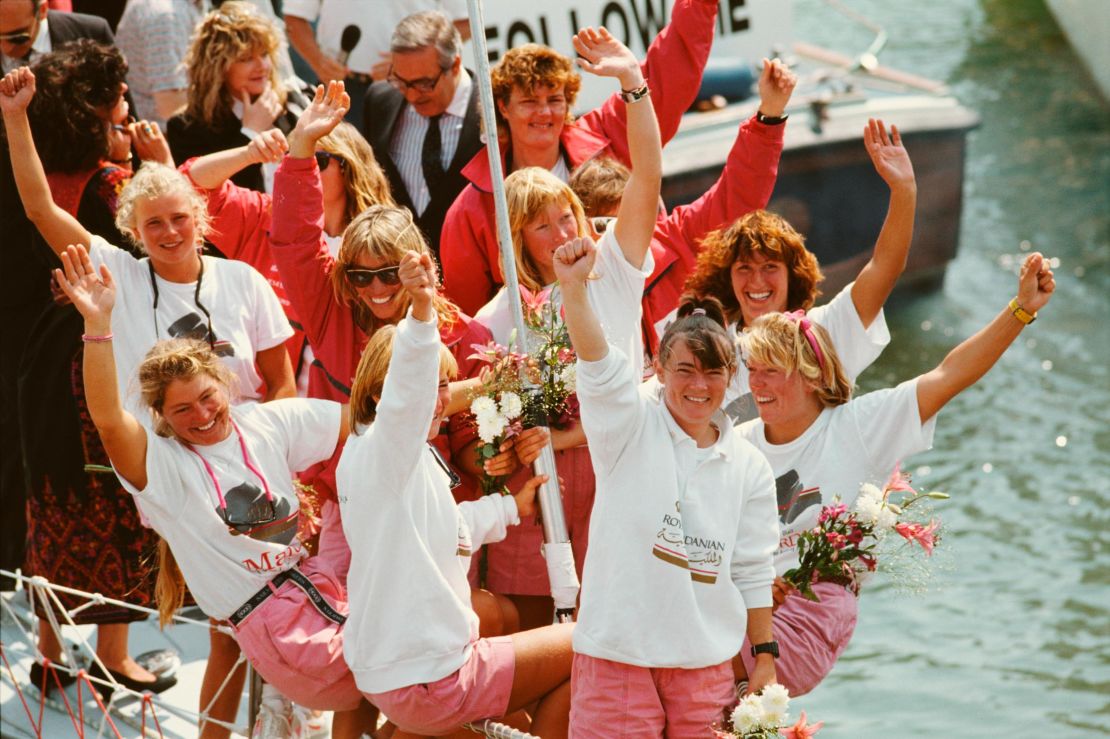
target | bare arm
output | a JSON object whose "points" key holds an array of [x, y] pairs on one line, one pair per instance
{"points": [[303, 39], [94, 296], [877, 278], [969, 361], [277, 372], [573, 262], [759, 632], [58, 227], [603, 55], [212, 170]]}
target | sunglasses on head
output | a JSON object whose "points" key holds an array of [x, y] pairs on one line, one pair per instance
{"points": [[324, 157], [362, 277]]}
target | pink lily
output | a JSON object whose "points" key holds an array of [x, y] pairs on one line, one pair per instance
{"points": [[801, 730], [832, 511], [898, 482], [534, 301], [925, 535]]}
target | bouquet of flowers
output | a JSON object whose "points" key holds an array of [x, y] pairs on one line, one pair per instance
{"points": [[506, 403], [845, 544], [763, 715]]}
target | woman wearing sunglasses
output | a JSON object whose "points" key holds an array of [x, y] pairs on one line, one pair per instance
{"points": [[214, 479], [173, 292]]}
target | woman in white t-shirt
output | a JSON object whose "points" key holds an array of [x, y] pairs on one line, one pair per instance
{"points": [[680, 565], [822, 443], [759, 264], [215, 481], [412, 640], [544, 213]]}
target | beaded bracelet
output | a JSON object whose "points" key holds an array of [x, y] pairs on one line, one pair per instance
{"points": [[96, 339]]}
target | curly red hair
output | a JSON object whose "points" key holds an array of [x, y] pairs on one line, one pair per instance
{"points": [[530, 66]]}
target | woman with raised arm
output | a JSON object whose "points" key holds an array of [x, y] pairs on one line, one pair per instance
{"points": [[214, 479], [544, 213], [821, 442], [683, 529], [173, 292], [759, 264], [412, 640]]}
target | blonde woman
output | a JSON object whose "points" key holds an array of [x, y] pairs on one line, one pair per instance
{"points": [[234, 90]]}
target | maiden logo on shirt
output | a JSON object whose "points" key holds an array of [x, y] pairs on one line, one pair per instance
{"points": [[793, 501], [699, 555]]}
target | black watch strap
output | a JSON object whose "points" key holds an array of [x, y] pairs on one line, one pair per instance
{"points": [[767, 647], [770, 120]]}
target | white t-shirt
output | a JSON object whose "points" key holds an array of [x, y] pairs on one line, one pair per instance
{"points": [[617, 283], [246, 317], [376, 22], [857, 347], [860, 441], [181, 504]]}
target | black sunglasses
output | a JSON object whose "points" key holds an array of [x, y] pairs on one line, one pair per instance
{"points": [[257, 513], [453, 477], [324, 157], [362, 277]]}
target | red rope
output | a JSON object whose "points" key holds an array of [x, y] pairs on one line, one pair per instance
{"points": [[26, 708]]}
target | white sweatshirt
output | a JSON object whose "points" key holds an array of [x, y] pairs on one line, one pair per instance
{"points": [[681, 539], [410, 616]]}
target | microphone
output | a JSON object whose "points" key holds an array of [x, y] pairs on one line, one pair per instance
{"points": [[348, 41]]}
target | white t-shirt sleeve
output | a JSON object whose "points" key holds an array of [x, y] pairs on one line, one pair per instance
{"points": [[489, 518], [889, 422], [270, 326], [616, 297], [857, 347], [309, 426], [161, 471]]}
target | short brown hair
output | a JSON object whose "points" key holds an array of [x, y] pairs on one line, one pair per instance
{"points": [[700, 324], [599, 183], [758, 232], [531, 66]]}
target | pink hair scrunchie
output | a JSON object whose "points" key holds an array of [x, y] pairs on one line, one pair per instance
{"points": [[799, 317]]}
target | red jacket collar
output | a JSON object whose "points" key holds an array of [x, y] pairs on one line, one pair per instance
{"points": [[579, 144]]}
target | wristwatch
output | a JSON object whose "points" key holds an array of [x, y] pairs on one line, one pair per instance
{"points": [[770, 120], [767, 647]]}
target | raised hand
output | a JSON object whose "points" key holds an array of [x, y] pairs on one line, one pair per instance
{"points": [[776, 85], [150, 142], [16, 90], [320, 118], [418, 276], [601, 54], [268, 146], [574, 261], [890, 158], [261, 114], [93, 294], [1036, 283]]}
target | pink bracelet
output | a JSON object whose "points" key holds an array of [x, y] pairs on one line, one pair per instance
{"points": [[96, 339]]}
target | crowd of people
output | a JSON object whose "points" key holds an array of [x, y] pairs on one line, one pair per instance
{"points": [[242, 360]]}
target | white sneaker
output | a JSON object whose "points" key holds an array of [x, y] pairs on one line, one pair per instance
{"points": [[309, 724], [273, 721]]}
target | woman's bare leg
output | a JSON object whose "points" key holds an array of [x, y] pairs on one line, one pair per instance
{"points": [[355, 723], [111, 647], [223, 653], [535, 611], [542, 672]]}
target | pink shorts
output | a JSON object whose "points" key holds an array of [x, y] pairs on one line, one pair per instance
{"points": [[333, 547], [477, 690], [515, 565], [811, 636], [296, 649], [612, 700]]}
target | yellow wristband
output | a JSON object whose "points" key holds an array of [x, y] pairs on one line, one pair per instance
{"points": [[1020, 313]]}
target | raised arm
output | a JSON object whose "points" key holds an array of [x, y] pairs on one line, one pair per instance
{"points": [[969, 361], [877, 278], [601, 54], [573, 262], [212, 170], [58, 227], [94, 295]]}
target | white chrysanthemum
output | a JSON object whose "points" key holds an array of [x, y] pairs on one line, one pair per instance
{"points": [[569, 376], [867, 490], [482, 406], [869, 508], [490, 428], [885, 520], [748, 716], [775, 699], [510, 405]]}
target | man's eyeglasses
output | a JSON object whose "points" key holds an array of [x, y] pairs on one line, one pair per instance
{"points": [[16, 39], [324, 157], [423, 85], [362, 277], [601, 223]]}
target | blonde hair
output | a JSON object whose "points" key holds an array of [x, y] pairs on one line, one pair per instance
{"points": [[385, 232], [528, 192], [177, 359], [371, 372], [363, 178], [226, 35], [777, 340], [169, 585], [153, 180]]}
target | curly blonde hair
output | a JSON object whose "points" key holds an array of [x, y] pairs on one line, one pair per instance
{"points": [[531, 66], [363, 178], [153, 180], [768, 235], [385, 232], [232, 32], [528, 192], [777, 340]]}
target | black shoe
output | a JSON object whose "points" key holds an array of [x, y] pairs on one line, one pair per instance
{"points": [[37, 673], [158, 685]]}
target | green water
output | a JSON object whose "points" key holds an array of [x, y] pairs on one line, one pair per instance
{"points": [[1011, 635]]}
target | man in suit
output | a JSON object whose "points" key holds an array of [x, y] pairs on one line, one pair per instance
{"points": [[28, 29], [422, 121]]}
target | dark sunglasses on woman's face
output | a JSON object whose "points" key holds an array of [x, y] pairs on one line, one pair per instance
{"points": [[324, 157], [362, 277]]}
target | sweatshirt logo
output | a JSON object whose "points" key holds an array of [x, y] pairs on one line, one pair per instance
{"points": [[699, 555]]}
